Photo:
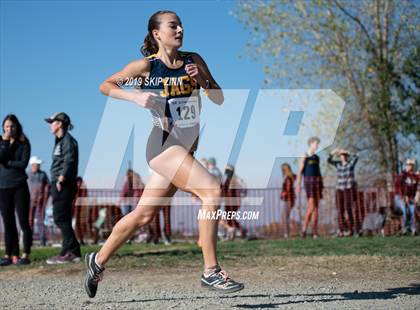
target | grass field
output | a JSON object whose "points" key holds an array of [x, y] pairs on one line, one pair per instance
{"points": [[345, 273], [140, 255]]}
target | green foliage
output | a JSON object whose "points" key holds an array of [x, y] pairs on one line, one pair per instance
{"points": [[408, 89], [358, 49], [187, 254]]}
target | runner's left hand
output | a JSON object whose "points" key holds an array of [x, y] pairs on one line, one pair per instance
{"points": [[194, 71]]}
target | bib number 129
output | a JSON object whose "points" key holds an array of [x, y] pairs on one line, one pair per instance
{"points": [[184, 111]]}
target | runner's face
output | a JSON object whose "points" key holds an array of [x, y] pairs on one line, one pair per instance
{"points": [[170, 33]]}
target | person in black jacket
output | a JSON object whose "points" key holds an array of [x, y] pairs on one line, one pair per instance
{"points": [[65, 160], [15, 150]]}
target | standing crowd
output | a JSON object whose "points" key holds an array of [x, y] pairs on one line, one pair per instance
{"points": [[17, 196], [347, 197]]}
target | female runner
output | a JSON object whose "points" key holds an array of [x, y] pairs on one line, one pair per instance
{"points": [[171, 80]]}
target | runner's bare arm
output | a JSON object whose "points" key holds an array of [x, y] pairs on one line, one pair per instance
{"points": [[214, 91], [112, 85], [136, 70]]}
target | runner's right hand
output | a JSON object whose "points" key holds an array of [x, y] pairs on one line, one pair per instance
{"points": [[151, 101]]}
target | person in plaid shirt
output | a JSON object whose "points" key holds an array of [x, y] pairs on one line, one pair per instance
{"points": [[405, 191], [346, 191]]}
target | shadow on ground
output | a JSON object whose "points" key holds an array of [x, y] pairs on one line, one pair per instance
{"points": [[413, 289], [391, 293]]}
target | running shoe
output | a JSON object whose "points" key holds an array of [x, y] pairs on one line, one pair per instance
{"points": [[5, 261], [94, 274], [63, 259], [69, 257], [220, 281], [23, 261], [53, 260]]}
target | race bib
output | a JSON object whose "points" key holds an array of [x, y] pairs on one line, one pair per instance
{"points": [[185, 111]]}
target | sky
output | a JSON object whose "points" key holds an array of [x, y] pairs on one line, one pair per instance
{"points": [[55, 54]]}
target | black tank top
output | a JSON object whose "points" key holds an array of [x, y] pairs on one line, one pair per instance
{"points": [[174, 85], [311, 166], [182, 99]]}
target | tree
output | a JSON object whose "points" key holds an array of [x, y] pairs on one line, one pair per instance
{"points": [[360, 49], [408, 88]]}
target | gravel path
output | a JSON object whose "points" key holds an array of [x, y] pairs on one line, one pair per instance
{"points": [[298, 283]]}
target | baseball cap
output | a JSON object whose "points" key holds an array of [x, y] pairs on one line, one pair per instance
{"points": [[410, 162], [35, 160], [62, 117]]}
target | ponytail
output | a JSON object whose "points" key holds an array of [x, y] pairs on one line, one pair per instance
{"points": [[150, 46]]}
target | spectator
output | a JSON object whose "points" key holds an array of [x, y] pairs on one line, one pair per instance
{"points": [[374, 222], [130, 195], [154, 229], [212, 168], [39, 186], [346, 192], [92, 218], [63, 186], [233, 191], [309, 167], [15, 150], [405, 191], [167, 229], [80, 211], [131, 191], [288, 194]]}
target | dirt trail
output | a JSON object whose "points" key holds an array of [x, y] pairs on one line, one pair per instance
{"points": [[287, 283]]}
